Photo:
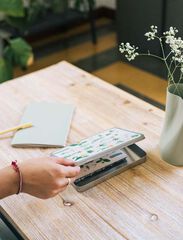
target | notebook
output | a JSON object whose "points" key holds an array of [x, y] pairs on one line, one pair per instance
{"points": [[51, 124]]}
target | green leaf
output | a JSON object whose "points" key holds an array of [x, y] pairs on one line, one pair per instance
{"points": [[8, 54], [31, 15], [12, 7], [22, 52], [6, 71]]}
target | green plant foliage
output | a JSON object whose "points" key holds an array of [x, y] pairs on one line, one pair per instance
{"points": [[8, 54], [12, 7], [31, 14], [59, 6], [20, 52], [16, 51], [79, 3], [6, 71]]}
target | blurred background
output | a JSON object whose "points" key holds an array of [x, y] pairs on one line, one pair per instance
{"points": [[38, 33]]}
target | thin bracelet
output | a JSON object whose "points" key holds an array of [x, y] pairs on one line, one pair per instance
{"points": [[17, 169]]}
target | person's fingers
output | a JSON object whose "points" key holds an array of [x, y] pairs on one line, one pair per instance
{"points": [[62, 189], [66, 162], [69, 172], [64, 182], [63, 161]]}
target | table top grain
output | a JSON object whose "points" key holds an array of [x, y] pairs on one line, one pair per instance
{"points": [[145, 202]]}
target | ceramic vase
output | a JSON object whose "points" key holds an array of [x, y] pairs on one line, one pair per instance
{"points": [[171, 141]]}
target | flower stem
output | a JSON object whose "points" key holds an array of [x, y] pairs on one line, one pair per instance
{"points": [[152, 55], [168, 55], [169, 72]]}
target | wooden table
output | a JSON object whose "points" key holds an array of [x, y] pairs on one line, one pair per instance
{"points": [[142, 203]]}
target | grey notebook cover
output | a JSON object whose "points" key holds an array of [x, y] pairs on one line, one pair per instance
{"points": [[51, 123]]}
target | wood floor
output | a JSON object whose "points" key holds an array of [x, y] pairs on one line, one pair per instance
{"points": [[117, 72], [142, 82]]}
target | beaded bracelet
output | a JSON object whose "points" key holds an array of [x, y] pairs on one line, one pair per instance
{"points": [[17, 169]]}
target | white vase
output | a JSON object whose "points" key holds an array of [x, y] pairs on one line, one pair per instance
{"points": [[171, 141]]}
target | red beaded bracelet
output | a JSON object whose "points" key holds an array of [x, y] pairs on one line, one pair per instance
{"points": [[17, 169]]}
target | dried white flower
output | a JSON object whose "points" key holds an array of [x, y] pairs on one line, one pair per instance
{"points": [[172, 31], [129, 50], [178, 59], [173, 60], [176, 47], [152, 34]]}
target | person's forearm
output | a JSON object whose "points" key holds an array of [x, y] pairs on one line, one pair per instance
{"points": [[8, 182], [36, 173]]}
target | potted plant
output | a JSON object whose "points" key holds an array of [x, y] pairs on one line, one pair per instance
{"points": [[23, 15], [171, 141], [15, 51]]}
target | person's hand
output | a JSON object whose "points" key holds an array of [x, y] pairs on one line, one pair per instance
{"points": [[46, 177]]}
